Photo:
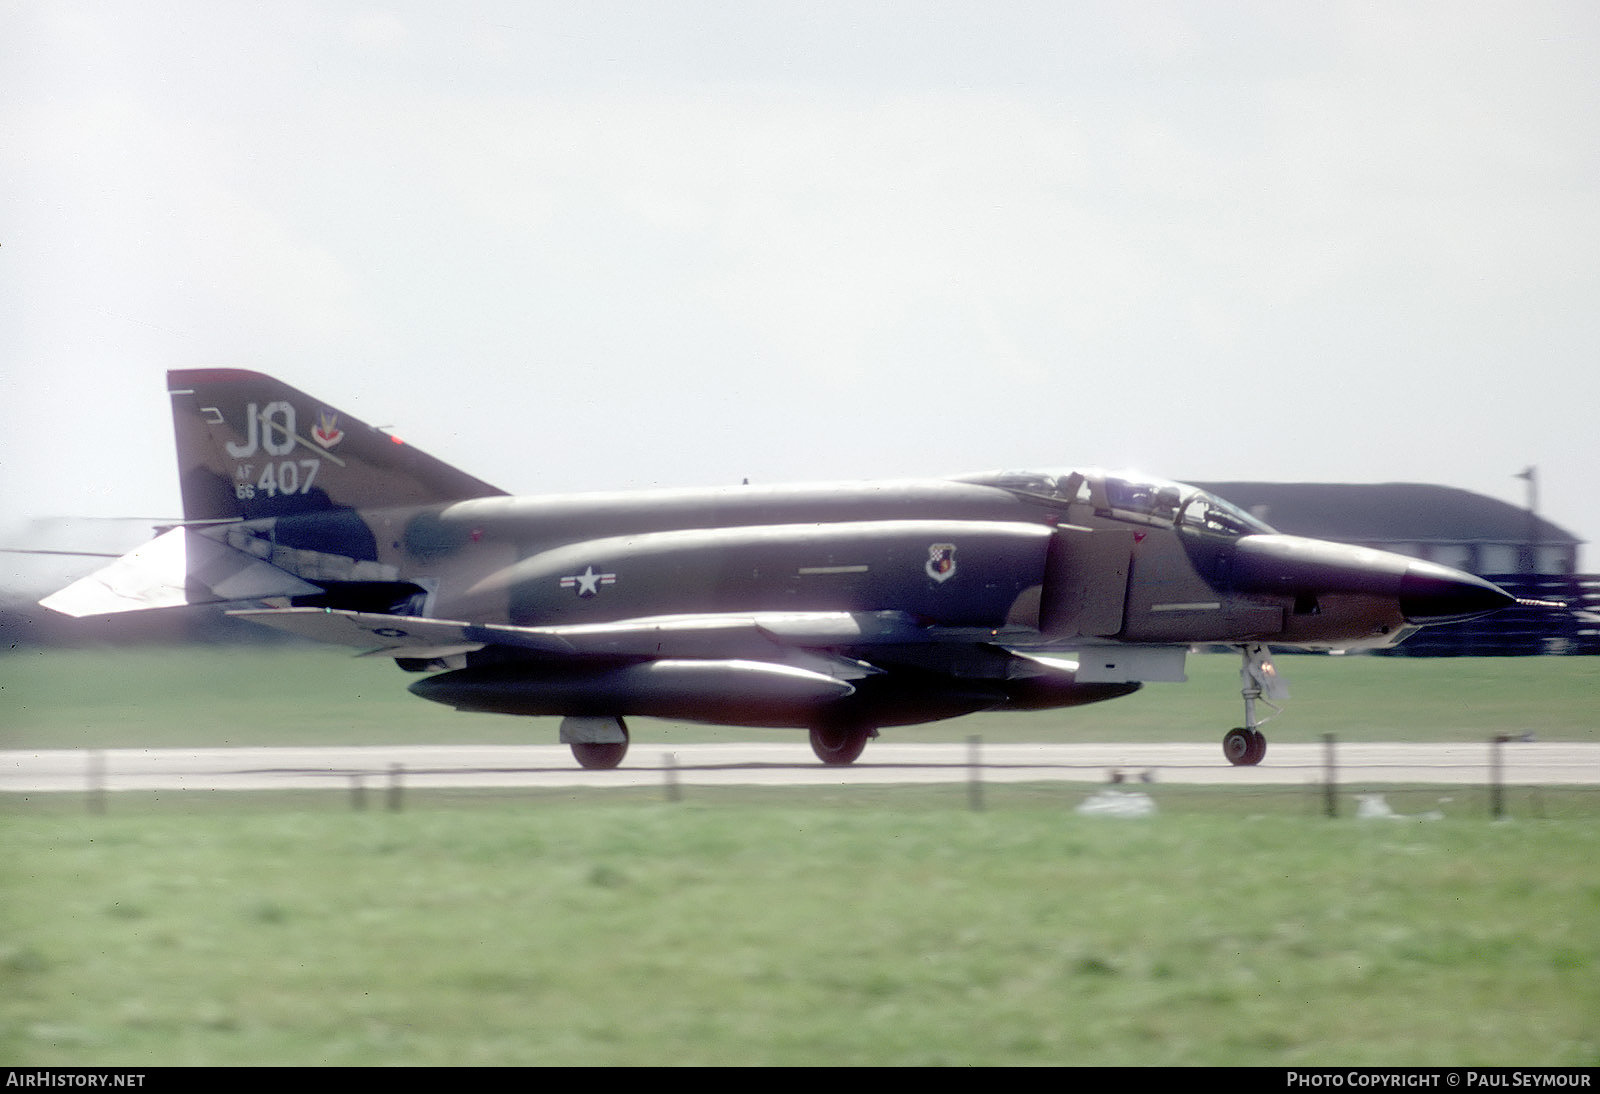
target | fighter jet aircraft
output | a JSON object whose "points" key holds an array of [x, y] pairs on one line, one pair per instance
{"points": [[840, 608]]}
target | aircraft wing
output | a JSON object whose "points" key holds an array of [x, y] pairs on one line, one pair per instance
{"points": [[807, 639], [784, 637], [376, 633]]}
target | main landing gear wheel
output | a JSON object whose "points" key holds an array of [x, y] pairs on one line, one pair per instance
{"points": [[838, 745], [598, 743], [1244, 747], [599, 755]]}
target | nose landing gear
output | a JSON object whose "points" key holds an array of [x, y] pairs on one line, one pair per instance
{"points": [[1246, 745]]}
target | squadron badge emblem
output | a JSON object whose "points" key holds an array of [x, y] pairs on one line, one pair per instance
{"points": [[941, 564], [327, 432]]}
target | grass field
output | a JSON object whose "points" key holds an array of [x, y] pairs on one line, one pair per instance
{"points": [[262, 695], [880, 926], [794, 931]]}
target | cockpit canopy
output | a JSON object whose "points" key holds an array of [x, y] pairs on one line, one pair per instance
{"points": [[1129, 496]]}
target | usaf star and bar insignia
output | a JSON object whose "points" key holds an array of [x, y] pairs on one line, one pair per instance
{"points": [[588, 583]]}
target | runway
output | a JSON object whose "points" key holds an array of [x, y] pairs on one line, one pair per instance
{"points": [[785, 764]]}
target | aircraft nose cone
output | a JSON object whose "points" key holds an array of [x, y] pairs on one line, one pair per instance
{"points": [[1438, 594]]}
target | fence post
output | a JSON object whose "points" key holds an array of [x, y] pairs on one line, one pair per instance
{"points": [[97, 781], [1330, 777], [1497, 805], [395, 771], [670, 764], [974, 776]]}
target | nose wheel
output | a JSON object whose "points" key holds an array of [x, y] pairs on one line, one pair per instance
{"points": [[1246, 745]]}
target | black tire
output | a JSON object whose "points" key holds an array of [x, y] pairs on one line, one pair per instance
{"points": [[1238, 745], [599, 755], [1258, 749], [838, 745]]}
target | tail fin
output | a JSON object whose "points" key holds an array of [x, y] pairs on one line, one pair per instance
{"points": [[250, 447]]}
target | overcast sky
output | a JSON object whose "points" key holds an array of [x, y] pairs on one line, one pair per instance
{"points": [[599, 245]]}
